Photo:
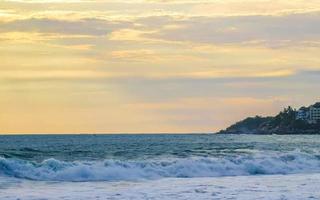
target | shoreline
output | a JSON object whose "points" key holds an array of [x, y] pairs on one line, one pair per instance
{"points": [[292, 186]]}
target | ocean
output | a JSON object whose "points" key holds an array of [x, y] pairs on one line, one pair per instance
{"points": [[160, 166]]}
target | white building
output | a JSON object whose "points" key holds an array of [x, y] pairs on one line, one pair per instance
{"points": [[310, 114], [314, 113]]}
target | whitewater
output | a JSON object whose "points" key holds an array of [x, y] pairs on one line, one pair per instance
{"points": [[159, 167]]}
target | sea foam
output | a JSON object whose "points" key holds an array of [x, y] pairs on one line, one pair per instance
{"points": [[116, 170]]}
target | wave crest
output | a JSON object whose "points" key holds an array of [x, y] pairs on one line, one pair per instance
{"points": [[114, 170]]}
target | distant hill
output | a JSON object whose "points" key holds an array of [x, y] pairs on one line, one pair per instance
{"points": [[286, 122]]}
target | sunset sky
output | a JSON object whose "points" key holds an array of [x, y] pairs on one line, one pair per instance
{"points": [[153, 66]]}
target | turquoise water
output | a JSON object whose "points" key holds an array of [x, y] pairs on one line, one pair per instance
{"points": [[140, 157]]}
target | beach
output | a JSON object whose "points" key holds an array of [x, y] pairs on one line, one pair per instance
{"points": [[293, 187]]}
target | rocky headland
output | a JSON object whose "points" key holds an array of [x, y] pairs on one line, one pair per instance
{"points": [[287, 121]]}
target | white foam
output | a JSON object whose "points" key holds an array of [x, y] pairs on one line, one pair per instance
{"points": [[266, 187], [112, 170]]}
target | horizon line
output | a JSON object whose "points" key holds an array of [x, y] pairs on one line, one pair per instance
{"points": [[144, 133]]}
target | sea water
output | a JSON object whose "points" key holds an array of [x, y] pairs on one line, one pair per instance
{"points": [[198, 166]]}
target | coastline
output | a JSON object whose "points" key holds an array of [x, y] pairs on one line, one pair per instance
{"points": [[292, 186], [304, 121]]}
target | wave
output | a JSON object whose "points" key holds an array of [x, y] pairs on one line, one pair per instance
{"points": [[115, 170]]}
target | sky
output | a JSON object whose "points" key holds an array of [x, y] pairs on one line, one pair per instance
{"points": [[154, 66]]}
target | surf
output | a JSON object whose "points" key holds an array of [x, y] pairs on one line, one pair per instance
{"points": [[132, 170]]}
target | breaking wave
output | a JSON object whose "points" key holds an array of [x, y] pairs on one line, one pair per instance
{"points": [[115, 170]]}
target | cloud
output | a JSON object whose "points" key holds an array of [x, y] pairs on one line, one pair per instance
{"points": [[94, 27], [49, 1], [270, 30], [274, 31], [154, 65], [51, 74], [138, 55]]}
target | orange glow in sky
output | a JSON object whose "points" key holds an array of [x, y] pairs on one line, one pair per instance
{"points": [[153, 66]]}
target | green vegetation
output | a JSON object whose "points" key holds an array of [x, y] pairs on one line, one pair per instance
{"points": [[283, 123], [287, 117], [250, 123]]}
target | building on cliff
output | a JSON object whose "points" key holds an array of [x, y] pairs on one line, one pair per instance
{"points": [[314, 113], [310, 114]]}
